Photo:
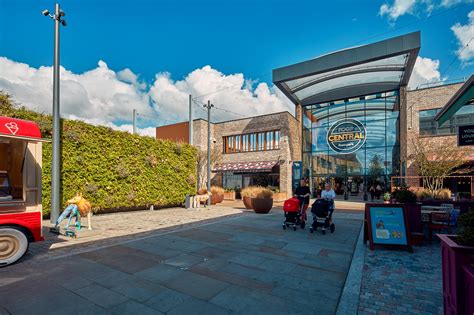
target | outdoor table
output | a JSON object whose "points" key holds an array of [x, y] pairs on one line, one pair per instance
{"points": [[426, 212]]}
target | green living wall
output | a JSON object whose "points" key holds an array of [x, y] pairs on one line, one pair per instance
{"points": [[113, 169]]}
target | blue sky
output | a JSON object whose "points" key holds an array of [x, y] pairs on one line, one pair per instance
{"points": [[249, 37]]}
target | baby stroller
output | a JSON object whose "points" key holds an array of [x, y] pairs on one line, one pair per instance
{"points": [[322, 213], [295, 214]]}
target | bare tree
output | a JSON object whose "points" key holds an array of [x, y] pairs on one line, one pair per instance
{"points": [[202, 164], [435, 161]]}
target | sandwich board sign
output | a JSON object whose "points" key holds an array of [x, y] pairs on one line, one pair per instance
{"points": [[465, 135], [387, 224]]}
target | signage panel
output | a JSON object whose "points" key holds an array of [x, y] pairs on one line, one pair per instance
{"points": [[346, 136], [465, 135]]}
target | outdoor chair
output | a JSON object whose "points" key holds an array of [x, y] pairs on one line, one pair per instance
{"points": [[439, 221]]}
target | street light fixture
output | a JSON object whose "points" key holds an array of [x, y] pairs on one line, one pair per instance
{"points": [[56, 160]]}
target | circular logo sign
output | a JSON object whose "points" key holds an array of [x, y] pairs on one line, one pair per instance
{"points": [[346, 136]]}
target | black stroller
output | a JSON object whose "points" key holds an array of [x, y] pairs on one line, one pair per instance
{"points": [[322, 213]]}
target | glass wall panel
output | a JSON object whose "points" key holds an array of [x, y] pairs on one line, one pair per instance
{"points": [[369, 163]]}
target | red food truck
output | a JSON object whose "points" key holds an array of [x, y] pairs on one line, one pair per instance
{"points": [[20, 188]]}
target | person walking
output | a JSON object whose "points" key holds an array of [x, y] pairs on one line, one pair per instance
{"points": [[303, 193], [329, 194], [378, 191], [372, 192]]}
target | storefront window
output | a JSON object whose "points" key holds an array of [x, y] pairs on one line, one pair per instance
{"points": [[355, 142], [250, 142], [428, 126]]}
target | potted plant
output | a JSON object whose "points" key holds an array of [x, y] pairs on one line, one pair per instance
{"points": [[404, 195], [386, 197], [247, 194], [457, 256], [277, 195], [263, 201], [217, 194], [229, 194]]}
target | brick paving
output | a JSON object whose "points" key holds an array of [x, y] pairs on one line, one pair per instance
{"points": [[245, 265], [397, 282]]}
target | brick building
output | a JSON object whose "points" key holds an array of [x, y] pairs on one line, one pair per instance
{"points": [[359, 118], [354, 121], [258, 150]]}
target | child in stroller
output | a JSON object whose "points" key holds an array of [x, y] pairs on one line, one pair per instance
{"points": [[322, 210], [295, 213]]}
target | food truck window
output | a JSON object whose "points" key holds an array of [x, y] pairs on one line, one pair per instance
{"points": [[12, 154]]}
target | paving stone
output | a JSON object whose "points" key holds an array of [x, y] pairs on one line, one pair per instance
{"points": [[166, 300], [101, 295], [132, 307], [183, 261], [160, 273], [197, 307], [196, 285], [138, 289]]}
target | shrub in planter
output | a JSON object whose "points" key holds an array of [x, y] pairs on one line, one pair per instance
{"points": [[457, 255], [263, 201], [443, 194], [229, 194], [404, 195], [217, 194], [248, 193]]}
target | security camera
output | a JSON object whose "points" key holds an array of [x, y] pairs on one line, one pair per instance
{"points": [[61, 13], [63, 22], [45, 12]]}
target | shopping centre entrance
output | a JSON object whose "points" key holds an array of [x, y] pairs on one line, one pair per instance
{"points": [[349, 103]]}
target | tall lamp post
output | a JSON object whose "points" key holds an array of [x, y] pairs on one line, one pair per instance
{"points": [[208, 106], [57, 17]]}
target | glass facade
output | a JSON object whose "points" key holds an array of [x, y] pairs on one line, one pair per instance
{"points": [[353, 143], [429, 127]]}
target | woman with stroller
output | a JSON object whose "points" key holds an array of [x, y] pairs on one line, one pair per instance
{"points": [[329, 194], [303, 193]]}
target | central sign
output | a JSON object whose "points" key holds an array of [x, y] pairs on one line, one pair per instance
{"points": [[346, 136]]}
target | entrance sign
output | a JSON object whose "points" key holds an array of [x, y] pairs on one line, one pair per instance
{"points": [[387, 224], [465, 135], [346, 136]]}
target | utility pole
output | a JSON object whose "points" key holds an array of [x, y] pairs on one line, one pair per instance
{"points": [[56, 158], [134, 129], [208, 106], [190, 119]]}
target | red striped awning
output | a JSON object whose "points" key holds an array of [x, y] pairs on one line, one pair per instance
{"points": [[265, 166]]}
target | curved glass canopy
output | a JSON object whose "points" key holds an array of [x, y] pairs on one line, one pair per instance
{"points": [[378, 67]]}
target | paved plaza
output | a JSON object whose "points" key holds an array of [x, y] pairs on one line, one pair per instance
{"points": [[398, 282], [246, 264]]}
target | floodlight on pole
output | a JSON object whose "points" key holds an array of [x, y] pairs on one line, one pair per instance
{"points": [[208, 106], [56, 159]]}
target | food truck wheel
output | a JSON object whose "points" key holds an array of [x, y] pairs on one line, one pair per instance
{"points": [[13, 245]]}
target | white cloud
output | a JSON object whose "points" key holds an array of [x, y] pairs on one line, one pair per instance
{"points": [[450, 3], [426, 70], [104, 97], [235, 94], [402, 7], [397, 9], [465, 37]]}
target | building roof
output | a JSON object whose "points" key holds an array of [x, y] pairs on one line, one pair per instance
{"points": [[373, 68], [464, 96]]}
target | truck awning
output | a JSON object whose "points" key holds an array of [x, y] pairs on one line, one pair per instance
{"points": [[251, 167], [20, 129]]}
